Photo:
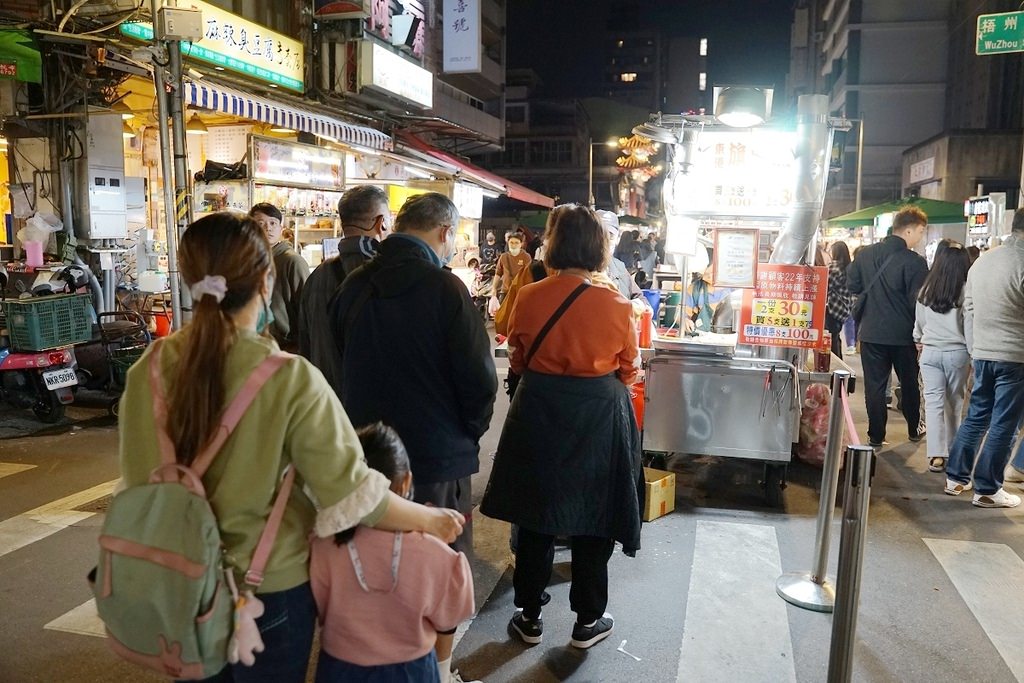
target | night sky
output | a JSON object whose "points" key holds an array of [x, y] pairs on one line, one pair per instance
{"points": [[561, 39]]}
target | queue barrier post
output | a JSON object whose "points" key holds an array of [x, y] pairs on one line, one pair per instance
{"points": [[812, 589]]}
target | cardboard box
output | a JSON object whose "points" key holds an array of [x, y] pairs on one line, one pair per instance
{"points": [[661, 493]]}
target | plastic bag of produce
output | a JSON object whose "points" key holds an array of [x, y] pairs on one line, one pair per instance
{"points": [[814, 424]]}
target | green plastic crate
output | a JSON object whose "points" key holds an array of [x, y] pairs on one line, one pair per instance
{"points": [[48, 322]]}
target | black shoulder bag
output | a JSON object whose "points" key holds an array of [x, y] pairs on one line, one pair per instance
{"points": [[512, 381], [858, 305]]}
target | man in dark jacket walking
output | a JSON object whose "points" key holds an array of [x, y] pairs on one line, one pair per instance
{"points": [[365, 218], [415, 355], [888, 276]]}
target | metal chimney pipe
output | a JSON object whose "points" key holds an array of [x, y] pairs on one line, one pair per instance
{"points": [[814, 142]]}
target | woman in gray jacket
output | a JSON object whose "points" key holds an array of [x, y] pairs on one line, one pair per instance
{"points": [[939, 335]]}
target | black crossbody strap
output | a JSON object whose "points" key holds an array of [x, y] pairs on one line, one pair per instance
{"points": [[552, 320], [878, 274]]}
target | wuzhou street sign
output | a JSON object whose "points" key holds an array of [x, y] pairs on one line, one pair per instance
{"points": [[1000, 33]]}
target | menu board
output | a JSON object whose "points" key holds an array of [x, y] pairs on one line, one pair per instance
{"points": [[786, 308], [294, 164], [735, 258]]}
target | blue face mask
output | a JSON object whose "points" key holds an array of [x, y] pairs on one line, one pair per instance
{"points": [[266, 318]]}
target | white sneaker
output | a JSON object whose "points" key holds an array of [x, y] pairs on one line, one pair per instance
{"points": [[1013, 475], [955, 488], [999, 499], [455, 677], [851, 350]]}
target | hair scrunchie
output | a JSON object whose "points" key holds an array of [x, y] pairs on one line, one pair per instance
{"points": [[214, 285]]}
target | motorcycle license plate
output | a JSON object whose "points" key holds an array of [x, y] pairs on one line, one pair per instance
{"points": [[57, 379]]}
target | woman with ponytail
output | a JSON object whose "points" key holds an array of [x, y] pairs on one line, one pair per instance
{"points": [[294, 421]]}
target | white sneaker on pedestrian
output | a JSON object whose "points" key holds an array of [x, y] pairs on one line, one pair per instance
{"points": [[851, 350], [955, 488], [1013, 475], [999, 499], [455, 677]]}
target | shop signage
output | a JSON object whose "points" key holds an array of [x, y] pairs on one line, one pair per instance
{"points": [[739, 173], [290, 163], [977, 211], [787, 308], [236, 44], [20, 59], [462, 43], [1000, 33], [922, 170], [469, 200], [333, 9], [382, 69]]}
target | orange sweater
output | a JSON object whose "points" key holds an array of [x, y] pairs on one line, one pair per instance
{"points": [[594, 337]]}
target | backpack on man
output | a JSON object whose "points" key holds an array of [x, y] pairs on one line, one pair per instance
{"points": [[165, 596]]}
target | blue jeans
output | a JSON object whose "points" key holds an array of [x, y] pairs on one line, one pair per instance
{"points": [[287, 624], [333, 670], [997, 403]]}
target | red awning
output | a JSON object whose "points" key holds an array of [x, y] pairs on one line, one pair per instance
{"points": [[513, 190]]}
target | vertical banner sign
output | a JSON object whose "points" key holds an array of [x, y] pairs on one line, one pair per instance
{"points": [[787, 308], [462, 44]]}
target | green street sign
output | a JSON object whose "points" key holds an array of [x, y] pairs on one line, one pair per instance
{"points": [[1000, 33]]}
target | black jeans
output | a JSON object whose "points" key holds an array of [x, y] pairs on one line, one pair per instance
{"points": [[588, 595], [878, 361], [455, 495], [835, 328]]}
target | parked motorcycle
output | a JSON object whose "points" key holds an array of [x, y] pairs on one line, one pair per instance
{"points": [[483, 288], [40, 380]]}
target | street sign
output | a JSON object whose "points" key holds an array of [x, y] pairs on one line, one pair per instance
{"points": [[1000, 33]]}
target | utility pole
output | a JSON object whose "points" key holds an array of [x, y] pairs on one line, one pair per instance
{"points": [[182, 184]]}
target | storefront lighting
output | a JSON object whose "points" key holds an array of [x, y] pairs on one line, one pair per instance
{"points": [[742, 107], [127, 131], [277, 128], [121, 108], [411, 170], [195, 126], [491, 194]]}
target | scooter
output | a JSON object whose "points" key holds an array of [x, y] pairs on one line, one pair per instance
{"points": [[40, 380]]}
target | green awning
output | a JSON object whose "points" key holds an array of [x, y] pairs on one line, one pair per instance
{"points": [[535, 220], [936, 210], [19, 57]]}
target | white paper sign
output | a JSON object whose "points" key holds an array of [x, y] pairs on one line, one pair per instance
{"points": [[380, 68], [462, 44]]}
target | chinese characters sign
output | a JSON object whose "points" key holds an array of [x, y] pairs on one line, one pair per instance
{"points": [[1000, 33], [786, 309], [462, 36], [291, 163], [384, 70], [738, 173], [236, 44]]}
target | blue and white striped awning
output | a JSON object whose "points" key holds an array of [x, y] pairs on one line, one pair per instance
{"points": [[227, 100]]}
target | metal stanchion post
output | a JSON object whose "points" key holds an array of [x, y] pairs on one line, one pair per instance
{"points": [[856, 497], [811, 590]]}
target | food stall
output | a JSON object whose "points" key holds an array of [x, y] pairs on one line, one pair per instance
{"points": [[737, 390]]}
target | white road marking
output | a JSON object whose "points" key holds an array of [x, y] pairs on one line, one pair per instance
{"points": [[9, 468], [987, 576], [736, 627], [46, 520], [82, 620]]}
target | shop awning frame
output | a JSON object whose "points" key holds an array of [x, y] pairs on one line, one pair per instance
{"points": [[478, 175], [227, 100]]}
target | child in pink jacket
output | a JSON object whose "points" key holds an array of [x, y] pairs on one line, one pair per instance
{"points": [[384, 598]]}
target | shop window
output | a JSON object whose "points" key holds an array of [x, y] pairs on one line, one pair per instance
{"points": [[628, 77]]}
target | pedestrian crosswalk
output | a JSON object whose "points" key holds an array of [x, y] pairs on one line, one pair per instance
{"points": [[733, 626]]}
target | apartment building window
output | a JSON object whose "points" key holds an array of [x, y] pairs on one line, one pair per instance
{"points": [[551, 153], [514, 154], [515, 113], [702, 81], [703, 47], [628, 77]]}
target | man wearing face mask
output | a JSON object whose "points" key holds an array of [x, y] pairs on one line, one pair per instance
{"points": [[415, 354], [490, 251], [290, 271], [511, 263]]}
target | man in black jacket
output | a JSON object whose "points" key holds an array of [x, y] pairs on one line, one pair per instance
{"points": [[415, 354], [888, 276], [365, 217]]}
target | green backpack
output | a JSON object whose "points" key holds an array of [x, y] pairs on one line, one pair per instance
{"points": [[162, 590]]}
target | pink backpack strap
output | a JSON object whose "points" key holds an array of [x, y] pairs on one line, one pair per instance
{"points": [[254, 577], [234, 412], [156, 385]]}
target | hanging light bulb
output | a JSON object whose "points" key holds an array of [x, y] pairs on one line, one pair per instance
{"points": [[195, 126]]}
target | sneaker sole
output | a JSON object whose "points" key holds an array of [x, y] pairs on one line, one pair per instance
{"points": [[938, 468], [529, 640], [980, 504], [956, 492], [585, 644]]}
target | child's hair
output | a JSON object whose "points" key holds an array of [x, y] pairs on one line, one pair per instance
{"points": [[943, 289], [384, 452]]}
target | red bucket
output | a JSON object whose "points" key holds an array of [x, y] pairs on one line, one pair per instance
{"points": [[636, 394]]}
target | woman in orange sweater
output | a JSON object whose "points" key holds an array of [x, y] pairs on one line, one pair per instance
{"points": [[568, 462]]}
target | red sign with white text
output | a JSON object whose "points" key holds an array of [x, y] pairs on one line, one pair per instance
{"points": [[787, 308]]}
